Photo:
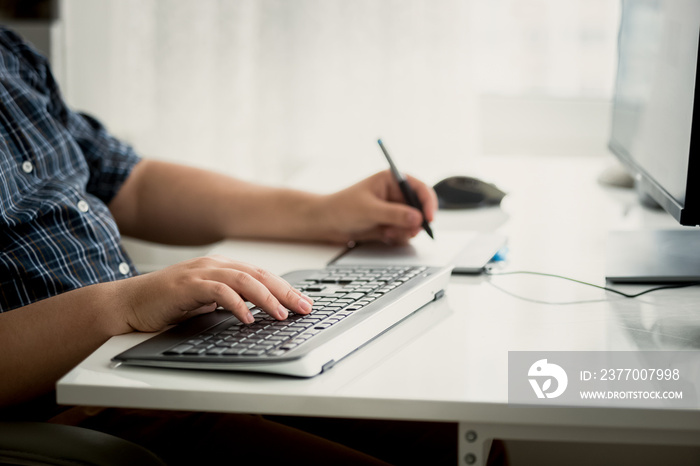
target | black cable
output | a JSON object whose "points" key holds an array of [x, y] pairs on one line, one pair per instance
{"points": [[626, 295]]}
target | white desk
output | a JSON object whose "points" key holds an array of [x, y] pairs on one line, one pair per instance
{"points": [[449, 362]]}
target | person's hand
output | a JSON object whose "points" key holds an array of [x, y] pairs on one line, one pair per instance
{"points": [[375, 209], [155, 300]]}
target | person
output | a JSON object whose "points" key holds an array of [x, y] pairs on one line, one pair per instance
{"points": [[69, 190]]}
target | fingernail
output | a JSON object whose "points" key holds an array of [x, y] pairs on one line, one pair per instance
{"points": [[282, 312], [311, 301], [304, 305], [249, 319]]}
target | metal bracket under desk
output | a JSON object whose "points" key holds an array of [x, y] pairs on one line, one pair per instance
{"points": [[475, 439]]}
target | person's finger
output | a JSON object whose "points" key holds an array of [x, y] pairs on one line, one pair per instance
{"points": [[287, 294], [426, 195], [269, 292], [399, 236], [214, 291], [203, 309], [391, 195], [394, 214], [372, 234], [245, 285]]}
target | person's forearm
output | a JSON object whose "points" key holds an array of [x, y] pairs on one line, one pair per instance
{"points": [[41, 342], [176, 204], [44, 340]]}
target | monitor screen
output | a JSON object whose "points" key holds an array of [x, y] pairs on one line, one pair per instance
{"points": [[652, 123]]}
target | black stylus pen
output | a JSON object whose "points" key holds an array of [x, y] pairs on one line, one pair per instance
{"points": [[408, 194]]}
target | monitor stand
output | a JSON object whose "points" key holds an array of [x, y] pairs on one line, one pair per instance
{"points": [[654, 256]]}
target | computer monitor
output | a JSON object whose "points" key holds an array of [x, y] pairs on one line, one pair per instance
{"points": [[656, 135]]}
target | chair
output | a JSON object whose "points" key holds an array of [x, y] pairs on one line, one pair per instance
{"points": [[38, 443]]}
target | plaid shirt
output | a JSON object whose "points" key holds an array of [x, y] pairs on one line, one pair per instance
{"points": [[58, 171]]}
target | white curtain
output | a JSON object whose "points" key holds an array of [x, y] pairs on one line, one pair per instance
{"points": [[264, 88]]}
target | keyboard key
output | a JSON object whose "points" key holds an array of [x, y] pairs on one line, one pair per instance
{"points": [[278, 338], [311, 289], [301, 324], [332, 308], [179, 349]]}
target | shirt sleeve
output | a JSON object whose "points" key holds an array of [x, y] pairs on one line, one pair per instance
{"points": [[110, 160]]}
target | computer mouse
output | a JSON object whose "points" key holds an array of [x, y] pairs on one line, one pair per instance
{"points": [[465, 192]]}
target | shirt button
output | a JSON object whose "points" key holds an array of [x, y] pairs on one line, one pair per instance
{"points": [[83, 206], [124, 268], [27, 166]]}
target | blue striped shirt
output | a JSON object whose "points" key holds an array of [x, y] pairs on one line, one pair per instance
{"points": [[58, 171]]}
